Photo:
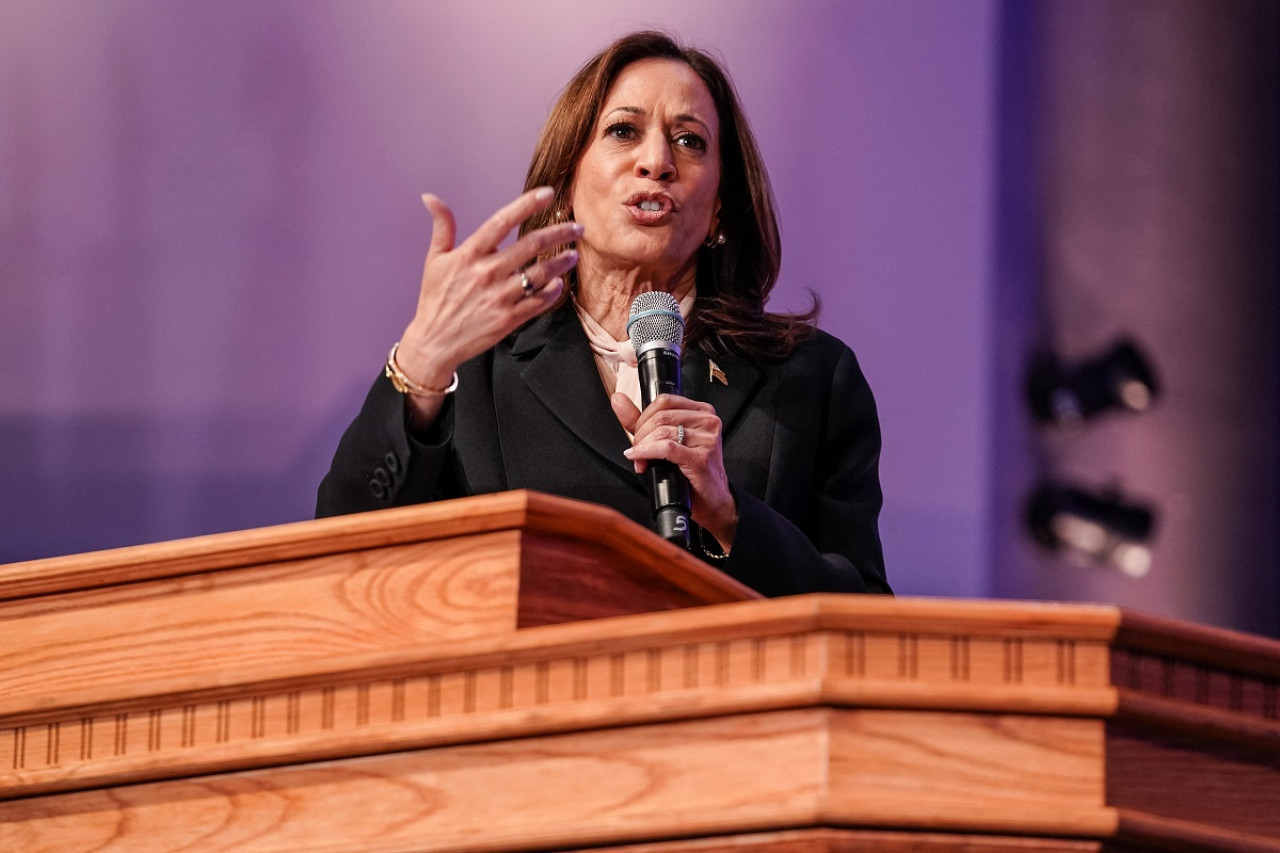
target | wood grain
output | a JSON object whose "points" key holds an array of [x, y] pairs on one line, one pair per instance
{"points": [[750, 656], [314, 591], [567, 520], [1222, 786], [1139, 831], [950, 771], [424, 679], [227, 622], [733, 774]]}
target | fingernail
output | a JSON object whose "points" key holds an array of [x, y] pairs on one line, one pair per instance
{"points": [[571, 255], [426, 200], [543, 193], [628, 453], [579, 229]]}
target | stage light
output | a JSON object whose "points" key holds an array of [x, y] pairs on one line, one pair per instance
{"points": [[1105, 528], [1121, 378]]}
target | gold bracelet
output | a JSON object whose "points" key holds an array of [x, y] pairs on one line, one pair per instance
{"points": [[405, 385], [717, 555]]}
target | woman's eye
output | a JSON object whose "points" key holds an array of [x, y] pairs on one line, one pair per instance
{"points": [[621, 130], [692, 140]]}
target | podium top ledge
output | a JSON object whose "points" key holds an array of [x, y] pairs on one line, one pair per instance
{"points": [[531, 512]]}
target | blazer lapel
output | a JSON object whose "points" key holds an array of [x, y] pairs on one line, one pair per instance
{"points": [[729, 395], [560, 371]]}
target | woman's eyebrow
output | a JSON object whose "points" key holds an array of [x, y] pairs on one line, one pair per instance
{"points": [[685, 117]]}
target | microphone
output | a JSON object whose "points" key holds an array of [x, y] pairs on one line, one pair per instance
{"points": [[656, 330]]}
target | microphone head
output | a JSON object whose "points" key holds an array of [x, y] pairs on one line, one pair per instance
{"points": [[655, 317]]}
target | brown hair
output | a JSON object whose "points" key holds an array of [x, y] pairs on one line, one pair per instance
{"points": [[734, 280]]}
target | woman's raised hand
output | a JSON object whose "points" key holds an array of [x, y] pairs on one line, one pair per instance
{"points": [[475, 294]]}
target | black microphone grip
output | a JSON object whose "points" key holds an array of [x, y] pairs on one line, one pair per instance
{"points": [[659, 369]]}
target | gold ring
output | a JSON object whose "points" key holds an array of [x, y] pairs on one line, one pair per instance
{"points": [[679, 433]]}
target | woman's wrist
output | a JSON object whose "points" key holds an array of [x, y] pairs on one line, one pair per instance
{"points": [[419, 366], [406, 385], [423, 365], [723, 527]]}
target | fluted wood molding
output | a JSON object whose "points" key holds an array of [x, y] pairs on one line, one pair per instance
{"points": [[726, 775], [797, 652], [522, 673]]}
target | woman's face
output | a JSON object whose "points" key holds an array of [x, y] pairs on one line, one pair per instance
{"points": [[647, 187]]}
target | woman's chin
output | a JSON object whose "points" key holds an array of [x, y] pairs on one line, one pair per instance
{"points": [[651, 258]]}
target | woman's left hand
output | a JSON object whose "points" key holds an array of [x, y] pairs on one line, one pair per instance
{"points": [[700, 456]]}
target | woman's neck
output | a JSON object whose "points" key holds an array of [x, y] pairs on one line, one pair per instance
{"points": [[607, 296]]}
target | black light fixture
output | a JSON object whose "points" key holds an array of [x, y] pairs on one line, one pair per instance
{"points": [[1105, 527], [1121, 378]]}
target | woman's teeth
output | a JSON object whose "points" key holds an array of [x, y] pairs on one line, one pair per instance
{"points": [[650, 205]]}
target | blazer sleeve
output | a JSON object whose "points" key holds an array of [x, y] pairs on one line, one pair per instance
{"points": [[836, 546], [380, 464]]}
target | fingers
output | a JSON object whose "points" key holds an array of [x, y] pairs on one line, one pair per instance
{"points": [[481, 248], [444, 229], [536, 301], [496, 228], [671, 410], [683, 431], [686, 433], [625, 411], [543, 273], [536, 243], [470, 298]]}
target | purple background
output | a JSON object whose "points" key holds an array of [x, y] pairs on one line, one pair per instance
{"points": [[211, 233]]}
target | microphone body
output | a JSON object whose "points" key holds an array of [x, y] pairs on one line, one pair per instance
{"points": [[657, 331]]}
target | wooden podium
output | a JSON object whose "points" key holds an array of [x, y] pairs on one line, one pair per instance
{"points": [[519, 672]]}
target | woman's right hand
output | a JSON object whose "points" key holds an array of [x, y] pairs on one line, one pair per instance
{"points": [[473, 296]]}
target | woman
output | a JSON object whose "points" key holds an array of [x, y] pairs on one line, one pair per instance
{"points": [[515, 371]]}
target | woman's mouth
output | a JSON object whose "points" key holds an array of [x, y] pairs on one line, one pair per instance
{"points": [[650, 208]]}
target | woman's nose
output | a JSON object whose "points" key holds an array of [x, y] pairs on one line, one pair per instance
{"points": [[653, 160]]}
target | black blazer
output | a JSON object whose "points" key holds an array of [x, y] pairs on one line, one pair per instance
{"points": [[801, 449]]}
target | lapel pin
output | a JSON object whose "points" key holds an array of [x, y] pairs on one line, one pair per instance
{"points": [[716, 373]]}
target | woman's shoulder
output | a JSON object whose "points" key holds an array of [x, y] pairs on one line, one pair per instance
{"points": [[822, 349], [823, 365]]}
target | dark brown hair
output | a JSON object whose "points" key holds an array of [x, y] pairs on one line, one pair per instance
{"points": [[734, 280]]}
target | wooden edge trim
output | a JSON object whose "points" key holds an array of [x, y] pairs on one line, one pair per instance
{"points": [[291, 541], [1230, 650], [886, 812], [562, 517], [824, 839], [605, 528], [978, 617], [1182, 717], [981, 698], [1170, 834], [619, 634], [349, 742], [727, 622]]}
